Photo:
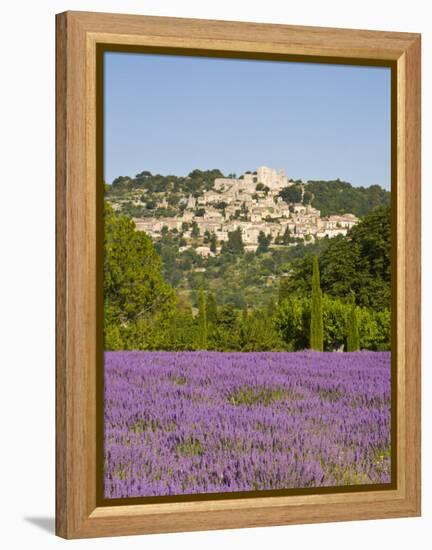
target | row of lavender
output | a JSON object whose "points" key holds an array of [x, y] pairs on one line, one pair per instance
{"points": [[203, 422]]}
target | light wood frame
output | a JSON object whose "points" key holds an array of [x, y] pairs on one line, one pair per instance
{"points": [[78, 35]]}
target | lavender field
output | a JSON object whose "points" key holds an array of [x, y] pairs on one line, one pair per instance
{"points": [[204, 422]]}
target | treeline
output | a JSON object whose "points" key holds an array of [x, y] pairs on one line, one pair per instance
{"points": [[337, 197], [340, 197], [328, 196], [284, 326], [357, 266], [142, 311], [243, 278], [194, 183]]}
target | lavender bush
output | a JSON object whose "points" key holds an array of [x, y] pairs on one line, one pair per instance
{"points": [[203, 422]]}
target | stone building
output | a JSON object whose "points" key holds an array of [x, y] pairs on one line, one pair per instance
{"points": [[250, 210]]}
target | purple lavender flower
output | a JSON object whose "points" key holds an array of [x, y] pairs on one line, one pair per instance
{"points": [[205, 422]]}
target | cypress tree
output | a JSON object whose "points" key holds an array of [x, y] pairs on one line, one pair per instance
{"points": [[271, 307], [202, 320], [195, 230], [283, 289], [213, 243], [353, 338], [235, 242], [211, 308], [316, 326], [244, 314]]}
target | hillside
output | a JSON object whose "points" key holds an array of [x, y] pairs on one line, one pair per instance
{"points": [[337, 197], [154, 292], [204, 233], [140, 196], [357, 265]]}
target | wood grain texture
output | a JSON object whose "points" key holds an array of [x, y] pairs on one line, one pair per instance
{"points": [[61, 251], [78, 34], [412, 262], [241, 36], [76, 248]]}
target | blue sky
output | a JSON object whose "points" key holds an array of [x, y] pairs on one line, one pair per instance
{"points": [[172, 114]]}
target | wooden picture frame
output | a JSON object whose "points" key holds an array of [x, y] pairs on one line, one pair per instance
{"points": [[80, 36]]}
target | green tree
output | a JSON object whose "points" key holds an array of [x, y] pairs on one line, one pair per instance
{"points": [[227, 317], [256, 333], [134, 288], [263, 243], [271, 307], [143, 174], [213, 243], [113, 338], [357, 264], [339, 197], [202, 320], [382, 338], [221, 205], [211, 309], [291, 194], [234, 245], [245, 314], [225, 336], [292, 321], [286, 237], [335, 314], [284, 289], [202, 179], [316, 325], [179, 332], [307, 197], [353, 337], [244, 210], [195, 230]]}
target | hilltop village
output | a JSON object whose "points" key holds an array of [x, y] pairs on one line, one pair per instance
{"points": [[251, 205]]}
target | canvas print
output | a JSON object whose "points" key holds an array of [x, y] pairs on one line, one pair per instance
{"points": [[247, 276]]}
